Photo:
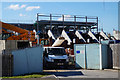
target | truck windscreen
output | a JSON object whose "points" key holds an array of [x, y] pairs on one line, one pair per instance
{"points": [[56, 51]]}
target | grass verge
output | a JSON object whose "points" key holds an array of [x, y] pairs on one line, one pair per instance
{"points": [[28, 76]]}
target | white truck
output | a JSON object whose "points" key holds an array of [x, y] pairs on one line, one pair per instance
{"points": [[55, 56]]}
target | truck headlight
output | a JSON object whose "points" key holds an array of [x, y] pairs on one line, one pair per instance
{"points": [[51, 59], [67, 60]]}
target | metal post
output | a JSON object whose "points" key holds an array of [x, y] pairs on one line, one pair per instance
{"points": [[50, 21], [37, 22], [86, 22], [63, 21], [97, 24], [37, 28], [85, 58], [74, 22]]}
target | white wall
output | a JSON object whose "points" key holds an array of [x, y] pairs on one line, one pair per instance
{"points": [[64, 34], [104, 35], [79, 35], [50, 34], [92, 35]]}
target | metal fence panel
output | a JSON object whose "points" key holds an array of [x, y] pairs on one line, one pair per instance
{"points": [[19, 62], [105, 56], [91, 56], [35, 59], [115, 49], [28, 60], [79, 51]]}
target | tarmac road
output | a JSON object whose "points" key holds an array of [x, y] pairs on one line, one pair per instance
{"points": [[109, 73], [76, 75]]}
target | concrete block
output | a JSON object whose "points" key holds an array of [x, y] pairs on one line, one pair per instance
{"points": [[2, 47]]}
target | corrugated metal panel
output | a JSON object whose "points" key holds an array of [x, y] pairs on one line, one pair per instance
{"points": [[29, 60], [91, 56]]}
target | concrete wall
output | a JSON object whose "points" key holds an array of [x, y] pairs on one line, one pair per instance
{"points": [[2, 47], [29, 60], [13, 44], [10, 45]]}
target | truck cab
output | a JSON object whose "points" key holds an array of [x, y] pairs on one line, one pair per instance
{"points": [[55, 56]]}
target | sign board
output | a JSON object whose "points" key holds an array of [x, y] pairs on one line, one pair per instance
{"points": [[77, 52]]}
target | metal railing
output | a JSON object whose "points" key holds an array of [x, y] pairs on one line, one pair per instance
{"points": [[64, 18]]}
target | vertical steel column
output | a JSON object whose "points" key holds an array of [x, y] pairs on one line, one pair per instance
{"points": [[86, 23], [37, 22], [50, 21], [97, 24], [63, 21], [85, 58], [37, 28], [74, 22], [118, 16]]}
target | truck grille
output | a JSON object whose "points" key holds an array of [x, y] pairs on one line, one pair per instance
{"points": [[59, 60]]}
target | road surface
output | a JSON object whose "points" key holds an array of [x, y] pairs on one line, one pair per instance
{"points": [[82, 73]]}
